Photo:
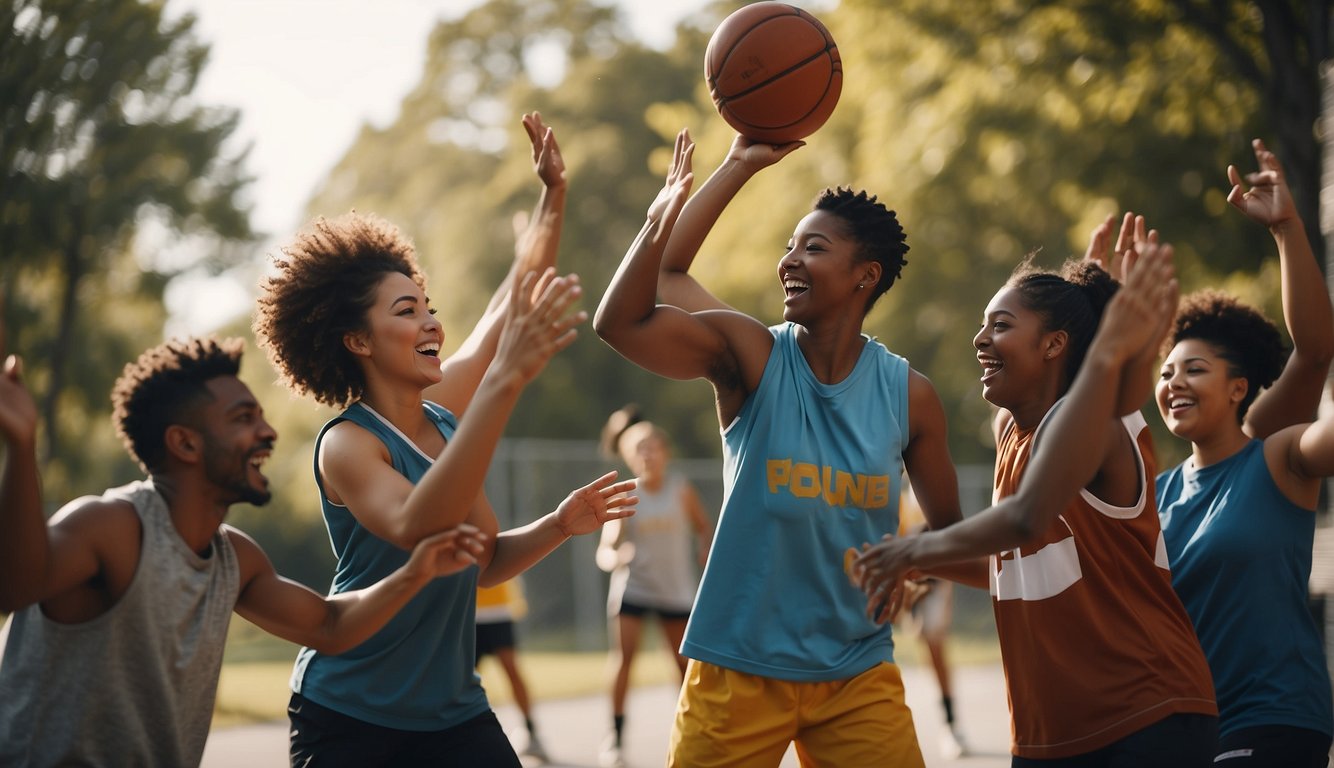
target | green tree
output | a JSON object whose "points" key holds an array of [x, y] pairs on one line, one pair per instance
{"points": [[114, 180]]}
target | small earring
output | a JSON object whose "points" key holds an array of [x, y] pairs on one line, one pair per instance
{"points": [[860, 286]]}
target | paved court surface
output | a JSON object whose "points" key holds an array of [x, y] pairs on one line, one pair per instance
{"points": [[572, 729]]}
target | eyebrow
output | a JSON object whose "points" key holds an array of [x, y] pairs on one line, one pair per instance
{"points": [[996, 312], [406, 297]]}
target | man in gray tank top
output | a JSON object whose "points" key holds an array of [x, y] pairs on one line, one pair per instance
{"points": [[121, 602]]}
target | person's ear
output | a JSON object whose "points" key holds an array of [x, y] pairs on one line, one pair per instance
{"points": [[871, 276], [1237, 389], [1055, 344], [184, 443], [357, 343]]}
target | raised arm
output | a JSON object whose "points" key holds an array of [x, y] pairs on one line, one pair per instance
{"points": [[744, 159], [536, 246], [1294, 397], [25, 552], [357, 471], [1070, 450], [337, 623], [666, 339], [1137, 376]]}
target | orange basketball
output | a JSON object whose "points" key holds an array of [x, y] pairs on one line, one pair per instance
{"points": [[774, 72]]}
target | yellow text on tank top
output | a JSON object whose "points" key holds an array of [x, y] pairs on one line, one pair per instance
{"points": [[839, 488]]}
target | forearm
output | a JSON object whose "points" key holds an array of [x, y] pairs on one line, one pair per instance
{"points": [[972, 572], [1306, 304], [444, 496], [24, 547], [519, 549], [697, 219], [352, 617], [632, 295]]}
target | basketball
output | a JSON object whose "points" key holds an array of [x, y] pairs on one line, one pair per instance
{"points": [[774, 72]]}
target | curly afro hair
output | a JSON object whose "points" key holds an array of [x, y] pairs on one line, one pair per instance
{"points": [[1238, 333], [1071, 300], [163, 386], [875, 228], [323, 286]]}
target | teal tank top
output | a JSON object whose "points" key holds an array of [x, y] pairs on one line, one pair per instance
{"points": [[417, 673], [810, 469], [1240, 553]]}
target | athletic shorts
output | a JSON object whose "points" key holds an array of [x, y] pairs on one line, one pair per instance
{"points": [[1183, 740], [1272, 746], [323, 738], [494, 636], [640, 610], [730, 719]]}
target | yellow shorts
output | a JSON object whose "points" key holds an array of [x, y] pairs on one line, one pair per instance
{"points": [[730, 719]]}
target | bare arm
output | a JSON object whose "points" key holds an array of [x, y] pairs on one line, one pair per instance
{"points": [[743, 160], [1074, 443], [666, 339], [1137, 376], [1294, 397], [535, 251], [337, 623], [25, 551], [693, 508], [583, 511], [358, 473]]}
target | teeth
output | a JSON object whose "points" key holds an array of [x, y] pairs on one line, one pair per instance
{"points": [[429, 349], [1180, 403], [792, 284]]}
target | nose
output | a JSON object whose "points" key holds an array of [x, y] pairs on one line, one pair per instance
{"points": [[981, 338], [266, 430]]}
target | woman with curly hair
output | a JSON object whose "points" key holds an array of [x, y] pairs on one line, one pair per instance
{"points": [[346, 320], [1238, 516]]}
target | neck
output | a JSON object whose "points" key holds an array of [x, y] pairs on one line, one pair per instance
{"points": [[831, 352], [194, 513], [1216, 448]]}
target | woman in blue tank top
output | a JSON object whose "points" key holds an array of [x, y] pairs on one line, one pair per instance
{"points": [[345, 319], [1238, 515], [818, 420]]}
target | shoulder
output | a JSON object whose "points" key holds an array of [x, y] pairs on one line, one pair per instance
{"points": [[923, 399], [250, 556], [100, 516]]}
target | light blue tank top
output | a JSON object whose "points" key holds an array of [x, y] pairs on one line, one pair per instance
{"points": [[1240, 553], [417, 673], [810, 469]]}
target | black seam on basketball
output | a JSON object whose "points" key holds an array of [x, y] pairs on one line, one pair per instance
{"points": [[825, 52]]}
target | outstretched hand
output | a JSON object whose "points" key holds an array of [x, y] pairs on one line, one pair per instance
{"points": [[538, 322], [879, 571], [586, 509], [446, 552], [547, 160], [672, 197], [1268, 201], [1139, 314], [1118, 259]]}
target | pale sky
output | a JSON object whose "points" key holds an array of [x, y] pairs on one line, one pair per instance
{"points": [[306, 74]]}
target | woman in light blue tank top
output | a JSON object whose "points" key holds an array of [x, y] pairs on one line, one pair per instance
{"points": [[817, 421], [346, 320], [1238, 516]]}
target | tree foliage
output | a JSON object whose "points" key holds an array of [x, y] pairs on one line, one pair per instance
{"points": [[107, 165]]}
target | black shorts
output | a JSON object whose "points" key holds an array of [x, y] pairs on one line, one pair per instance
{"points": [[1272, 746], [1177, 741], [494, 636], [638, 610], [323, 738]]}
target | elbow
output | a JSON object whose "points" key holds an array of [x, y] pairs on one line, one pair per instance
{"points": [[1021, 522]]}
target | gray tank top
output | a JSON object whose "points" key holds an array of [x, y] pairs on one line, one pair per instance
{"points": [[663, 574], [136, 685]]}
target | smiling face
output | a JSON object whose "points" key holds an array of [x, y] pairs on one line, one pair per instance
{"points": [[1011, 347], [820, 270], [402, 336], [644, 452], [1196, 392], [237, 440]]}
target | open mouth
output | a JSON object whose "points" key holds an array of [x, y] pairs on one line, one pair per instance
{"points": [[990, 366], [429, 350], [1177, 405], [794, 287]]}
